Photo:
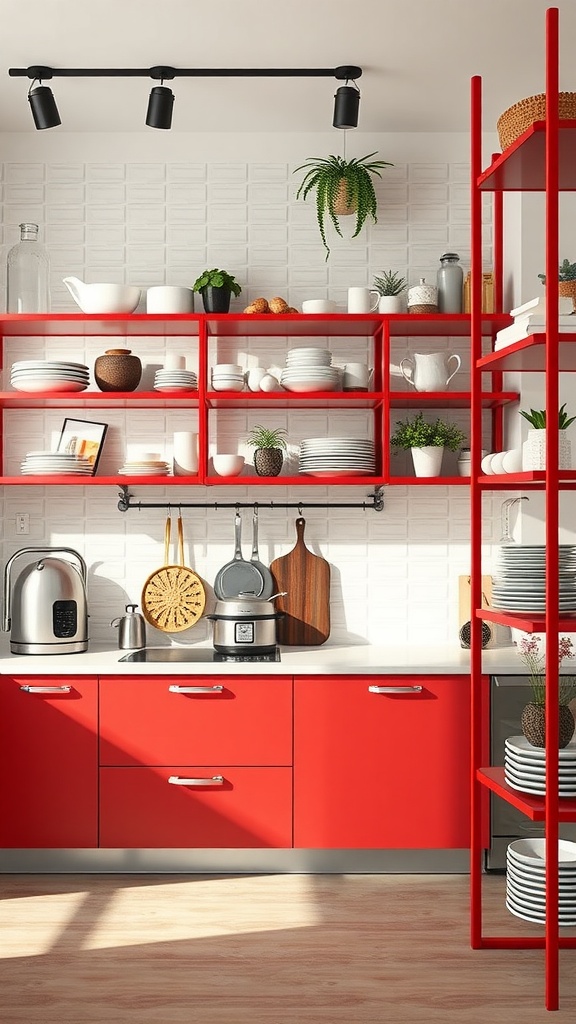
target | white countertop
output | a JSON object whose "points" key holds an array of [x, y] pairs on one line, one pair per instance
{"points": [[355, 659]]}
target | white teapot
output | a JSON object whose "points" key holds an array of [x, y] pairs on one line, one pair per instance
{"points": [[429, 371]]}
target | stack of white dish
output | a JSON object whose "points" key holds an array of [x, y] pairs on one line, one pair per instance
{"points": [[144, 467], [227, 377], [49, 463], [525, 767], [309, 369], [520, 574], [526, 880], [49, 375], [337, 456], [175, 380]]}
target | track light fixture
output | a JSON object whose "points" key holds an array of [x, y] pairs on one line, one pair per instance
{"points": [[161, 101]]}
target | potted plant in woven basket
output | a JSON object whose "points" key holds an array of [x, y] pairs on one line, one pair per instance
{"points": [[427, 442], [391, 287], [533, 718], [270, 447], [343, 187], [566, 280]]}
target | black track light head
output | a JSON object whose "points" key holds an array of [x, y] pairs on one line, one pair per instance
{"points": [[160, 104], [346, 106], [43, 107]]}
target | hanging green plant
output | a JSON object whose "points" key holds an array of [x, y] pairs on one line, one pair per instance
{"points": [[343, 187]]}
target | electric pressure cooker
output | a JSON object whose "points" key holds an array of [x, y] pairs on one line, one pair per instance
{"points": [[245, 623]]}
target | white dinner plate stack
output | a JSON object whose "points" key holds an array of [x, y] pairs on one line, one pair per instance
{"points": [[310, 369], [525, 767], [526, 880], [144, 467], [175, 380], [520, 573], [50, 463], [337, 456], [48, 375]]}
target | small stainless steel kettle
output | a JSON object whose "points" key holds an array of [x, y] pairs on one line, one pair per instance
{"points": [[131, 629]]}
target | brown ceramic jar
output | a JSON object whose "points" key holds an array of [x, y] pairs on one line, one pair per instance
{"points": [[117, 370]]}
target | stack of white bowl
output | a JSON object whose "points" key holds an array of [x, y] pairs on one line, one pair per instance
{"points": [[310, 369], [175, 380], [526, 880], [49, 375], [227, 377]]}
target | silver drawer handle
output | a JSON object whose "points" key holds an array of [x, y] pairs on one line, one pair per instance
{"points": [[195, 689], [46, 689], [395, 689], [178, 780]]}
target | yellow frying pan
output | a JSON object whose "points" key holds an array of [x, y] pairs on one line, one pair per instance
{"points": [[173, 597]]}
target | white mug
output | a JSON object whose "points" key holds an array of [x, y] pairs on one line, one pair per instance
{"points": [[174, 361], [318, 306], [360, 300], [169, 299], [185, 453], [355, 377]]}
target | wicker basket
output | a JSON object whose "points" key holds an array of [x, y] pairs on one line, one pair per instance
{"points": [[518, 118]]}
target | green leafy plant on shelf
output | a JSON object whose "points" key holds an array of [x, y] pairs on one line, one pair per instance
{"points": [[389, 282], [342, 187], [566, 272], [217, 279], [418, 433], [270, 445], [537, 418]]}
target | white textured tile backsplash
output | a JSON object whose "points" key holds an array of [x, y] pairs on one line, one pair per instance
{"points": [[394, 574]]}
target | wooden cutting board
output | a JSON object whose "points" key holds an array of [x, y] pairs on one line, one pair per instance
{"points": [[306, 579]]}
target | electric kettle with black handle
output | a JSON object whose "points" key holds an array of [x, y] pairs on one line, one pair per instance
{"points": [[46, 609]]}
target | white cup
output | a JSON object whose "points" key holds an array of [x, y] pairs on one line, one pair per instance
{"points": [[360, 300], [318, 306], [169, 298], [356, 377], [185, 453], [254, 376], [173, 361]]}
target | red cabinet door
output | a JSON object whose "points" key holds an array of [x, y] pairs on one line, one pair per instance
{"points": [[206, 806], [162, 720], [382, 769], [48, 762]]}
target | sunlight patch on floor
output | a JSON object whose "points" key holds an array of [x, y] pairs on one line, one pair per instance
{"points": [[33, 926]]}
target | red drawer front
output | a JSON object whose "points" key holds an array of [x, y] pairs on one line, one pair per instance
{"points": [[251, 807], [48, 763], [247, 722]]}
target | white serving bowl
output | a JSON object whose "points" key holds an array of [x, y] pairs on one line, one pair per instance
{"points": [[228, 384], [227, 370], [105, 298], [228, 465]]}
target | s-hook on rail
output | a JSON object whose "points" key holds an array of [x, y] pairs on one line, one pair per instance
{"points": [[373, 501]]}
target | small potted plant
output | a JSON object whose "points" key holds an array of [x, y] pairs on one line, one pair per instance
{"points": [[342, 187], [390, 287], [427, 442], [534, 448], [533, 718], [566, 280], [216, 288], [270, 447]]}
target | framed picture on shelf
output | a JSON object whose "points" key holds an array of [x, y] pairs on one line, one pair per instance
{"points": [[83, 438]]}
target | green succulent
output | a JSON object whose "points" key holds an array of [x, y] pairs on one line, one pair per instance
{"points": [[389, 283], [566, 272], [418, 433], [537, 418], [325, 175], [216, 279], [267, 437]]}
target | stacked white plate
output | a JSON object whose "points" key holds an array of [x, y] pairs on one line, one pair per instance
{"points": [[526, 880], [337, 456], [48, 463], [144, 467], [309, 369], [520, 573], [525, 767], [49, 375], [175, 380]]}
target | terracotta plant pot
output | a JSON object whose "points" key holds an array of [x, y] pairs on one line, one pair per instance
{"points": [[268, 461], [533, 722], [340, 205], [117, 370], [567, 289]]}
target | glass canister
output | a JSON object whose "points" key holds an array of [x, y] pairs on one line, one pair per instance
{"points": [[449, 281], [28, 274]]}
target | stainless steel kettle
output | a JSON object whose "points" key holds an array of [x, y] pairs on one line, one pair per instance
{"points": [[131, 629], [46, 610]]}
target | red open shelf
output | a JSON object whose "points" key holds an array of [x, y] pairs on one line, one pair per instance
{"points": [[529, 622], [454, 399], [532, 806], [535, 479], [529, 355], [522, 167], [97, 399]]}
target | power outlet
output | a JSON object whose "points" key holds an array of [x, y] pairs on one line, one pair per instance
{"points": [[22, 523]]}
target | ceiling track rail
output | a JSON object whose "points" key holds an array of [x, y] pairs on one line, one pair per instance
{"points": [[373, 502]]}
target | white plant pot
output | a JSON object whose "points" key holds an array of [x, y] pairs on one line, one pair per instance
{"points": [[534, 450], [428, 460], [392, 303]]}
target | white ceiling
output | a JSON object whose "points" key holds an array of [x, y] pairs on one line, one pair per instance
{"points": [[417, 56]]}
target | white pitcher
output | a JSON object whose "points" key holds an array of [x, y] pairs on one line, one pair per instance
{"points": [[429, 371]]}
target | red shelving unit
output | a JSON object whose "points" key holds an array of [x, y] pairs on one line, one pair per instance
{"points": [[542, 159]]}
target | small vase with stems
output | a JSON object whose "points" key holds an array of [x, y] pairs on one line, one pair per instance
{"points": [[533, 718]]}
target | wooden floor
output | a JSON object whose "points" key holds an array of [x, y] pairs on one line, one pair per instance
{"points": [[169, 949]]}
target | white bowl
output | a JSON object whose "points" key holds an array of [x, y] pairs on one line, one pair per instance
{"points": [[486, 463], [512, 461], [227, 370], [105, 298], [228, 465], [228, 385], [497, 463]]}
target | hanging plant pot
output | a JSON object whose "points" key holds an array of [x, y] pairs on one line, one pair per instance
{"points": [[268, 461], [341, 206], [533, 723]]}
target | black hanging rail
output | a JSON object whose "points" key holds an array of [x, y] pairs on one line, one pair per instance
{"points": [[373, 501]]}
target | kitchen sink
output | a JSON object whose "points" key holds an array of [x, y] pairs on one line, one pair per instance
{"points": [[193, 654]]}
